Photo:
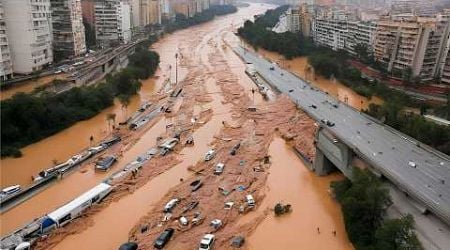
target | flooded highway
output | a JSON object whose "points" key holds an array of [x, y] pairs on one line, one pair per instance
{"points": [[203, 57]]}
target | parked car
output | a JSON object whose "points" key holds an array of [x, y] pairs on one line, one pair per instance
{"points": [[210, 155], [218, 170], [105, 163], [206, 243], [163, 238], [170, 205], [272, 68]]}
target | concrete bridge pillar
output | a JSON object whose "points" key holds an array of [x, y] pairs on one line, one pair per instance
{"points": [[322, 166], [331, 153]]}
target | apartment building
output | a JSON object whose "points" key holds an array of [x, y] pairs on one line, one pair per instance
{"points": [[409, 41], [145, 12], [6, 71], [154, 12], [68, 29], [180, 7], [293, 22], [339, 30], [444, 64], [139, 13], [29, 31], [112, 22]]}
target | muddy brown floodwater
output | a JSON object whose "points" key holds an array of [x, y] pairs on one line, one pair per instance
{"points": [[61, 146], [29, 85], [291, 182], [215, 85]]}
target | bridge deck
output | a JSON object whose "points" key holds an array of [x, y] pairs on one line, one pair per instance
{"points": [[386, 149]]}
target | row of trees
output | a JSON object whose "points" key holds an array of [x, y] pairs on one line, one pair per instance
{"points": [[181, 21], [27, 118], [364, 202]]}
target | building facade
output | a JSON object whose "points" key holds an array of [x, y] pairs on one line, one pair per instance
{"points": [[341, 31], [112, 22], [6, 70], [411, 42], [29, 31], [68, 29], [154, 12]]}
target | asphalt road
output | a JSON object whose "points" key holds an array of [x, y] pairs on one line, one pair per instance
{"points": [[386, 149]]}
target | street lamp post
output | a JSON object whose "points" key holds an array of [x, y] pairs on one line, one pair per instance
{"points": [[176, 68]]}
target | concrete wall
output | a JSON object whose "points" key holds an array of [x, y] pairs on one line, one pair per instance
{"points": [[331, 154]]}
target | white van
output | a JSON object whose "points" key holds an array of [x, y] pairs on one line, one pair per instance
{"points": [[250, 200]]}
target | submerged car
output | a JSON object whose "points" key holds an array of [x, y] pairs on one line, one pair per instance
{"points": [[218, 170], [207, 242], [170, 205], [163, 238], [105, 163], [196, 185], [210, 155]]}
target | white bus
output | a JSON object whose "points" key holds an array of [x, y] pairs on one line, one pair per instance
{"points": [[73, 209]]}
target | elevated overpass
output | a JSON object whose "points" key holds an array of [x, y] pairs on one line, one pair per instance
{"points": [[418, 170]]}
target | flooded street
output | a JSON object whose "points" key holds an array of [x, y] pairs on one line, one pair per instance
{"points": [[291, 182], [61, 146], [29, 85], [218, 92]]}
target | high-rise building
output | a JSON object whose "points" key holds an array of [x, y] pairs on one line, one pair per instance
{"points": [[154, 12], [144, 12], [29, 31], [112, 22], [339, 30], [68, 29], [6, 71], [408, 41]]}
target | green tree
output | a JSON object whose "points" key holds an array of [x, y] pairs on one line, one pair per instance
{"points": [[397, 234]]}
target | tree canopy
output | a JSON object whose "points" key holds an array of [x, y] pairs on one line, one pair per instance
{"points": [[364, 202]]}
